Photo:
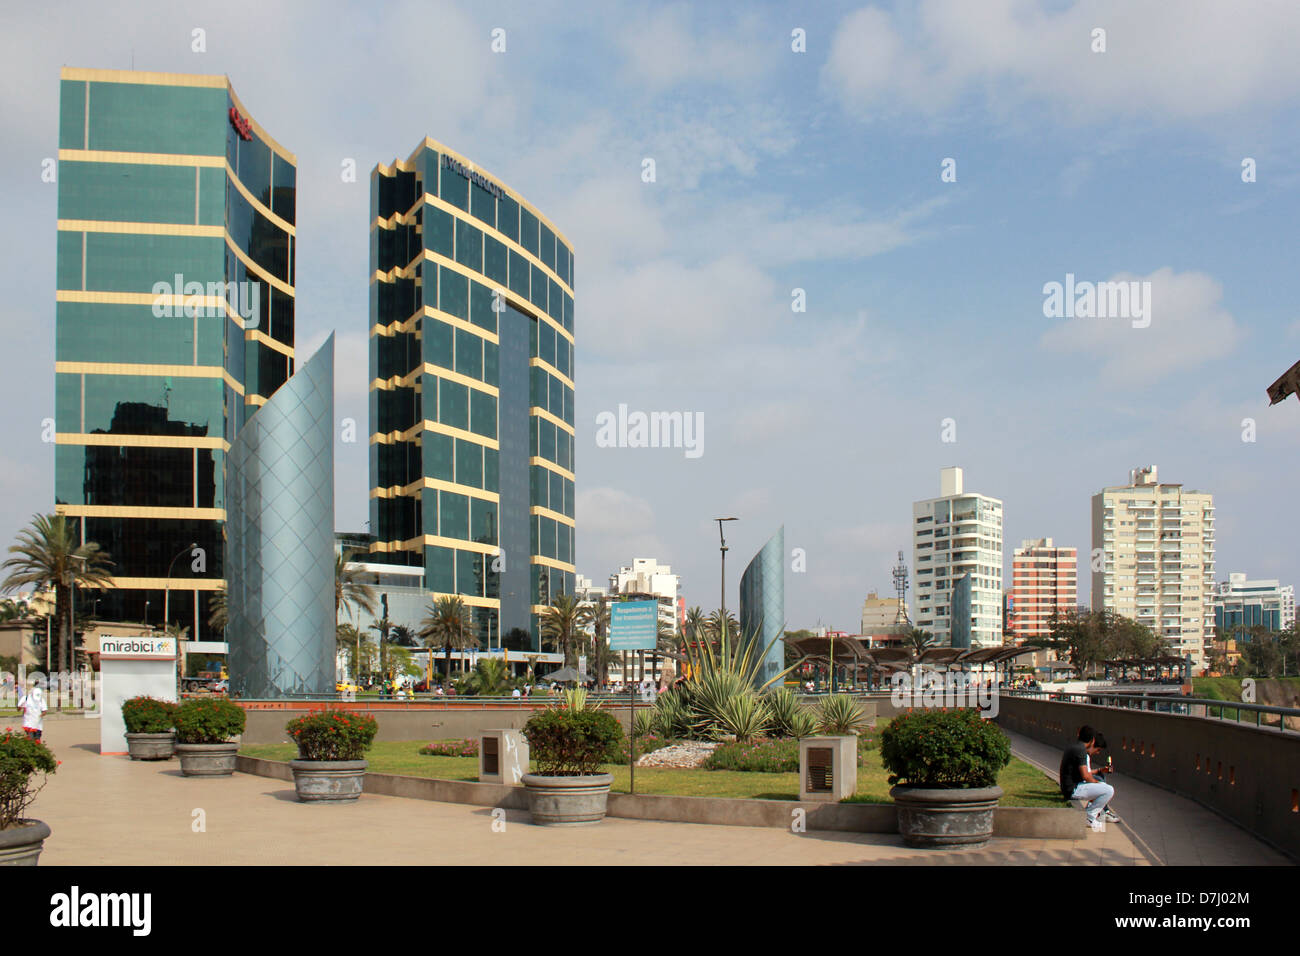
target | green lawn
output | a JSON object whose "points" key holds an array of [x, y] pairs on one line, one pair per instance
{"points": [[1024, 785]]}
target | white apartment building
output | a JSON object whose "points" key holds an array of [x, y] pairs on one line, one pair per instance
{"points": [[956, 534], [649, 579], [1153, 559]]}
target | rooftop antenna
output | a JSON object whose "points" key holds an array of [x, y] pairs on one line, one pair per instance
{"points": [[900, 586]]}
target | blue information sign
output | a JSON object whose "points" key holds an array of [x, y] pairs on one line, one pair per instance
{"points": [[633, 625]]}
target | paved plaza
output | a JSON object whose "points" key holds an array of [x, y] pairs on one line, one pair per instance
{"points": [[113, 811]]}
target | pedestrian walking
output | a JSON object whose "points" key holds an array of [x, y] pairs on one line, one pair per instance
{"points": [[32, 704]]}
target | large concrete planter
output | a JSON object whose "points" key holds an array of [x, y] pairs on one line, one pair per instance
{"points": [[567, 801], [328, 780], [945, 818], [21, 845], [151, 746], [207, 760]]}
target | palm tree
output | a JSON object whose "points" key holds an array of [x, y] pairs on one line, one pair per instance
{"points": [[598, 622], [217, 615], [446, 625], [563, 623], [714, 626], [489, 678], [11, 610], [402, 636], [350, 589], [48, 555], [916, 641]]}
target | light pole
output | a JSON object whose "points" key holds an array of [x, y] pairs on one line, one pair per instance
{"points": [[167, 593], [722, 614]]}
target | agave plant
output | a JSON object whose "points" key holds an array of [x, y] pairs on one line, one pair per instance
{"points": [[672, 715], [745, 715], [803, 724], [646, 722], [839, 715], [785, 707], [577, 698]]}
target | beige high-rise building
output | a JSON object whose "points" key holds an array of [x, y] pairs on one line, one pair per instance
{"points": [[879, 615], [1153, 560]]}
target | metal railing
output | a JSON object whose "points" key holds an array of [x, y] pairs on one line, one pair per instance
{"points": [[1178, 706]]}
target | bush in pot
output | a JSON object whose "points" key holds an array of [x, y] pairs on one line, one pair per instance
{"points": [[205, 732], [149, 733], [21, 761], [331, 743], [944, 765], [569, 745]]}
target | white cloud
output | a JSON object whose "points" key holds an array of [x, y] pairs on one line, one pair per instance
{"points": [[1203, 59], [1189, 327]]}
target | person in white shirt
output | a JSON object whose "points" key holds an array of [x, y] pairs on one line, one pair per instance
{"points": [[32, 704], [515, 693]]}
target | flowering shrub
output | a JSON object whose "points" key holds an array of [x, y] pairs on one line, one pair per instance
{"points": [[208, 721], [20, 760], [944, 748], [758, 756], [451, 748], [569, 743], [332, 734], [147, 715]]}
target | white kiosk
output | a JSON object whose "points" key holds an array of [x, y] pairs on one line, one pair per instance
{"points": [[143, 666]]}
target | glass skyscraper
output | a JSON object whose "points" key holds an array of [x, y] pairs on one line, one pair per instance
{"points": [[471, 391], [174, 321]]}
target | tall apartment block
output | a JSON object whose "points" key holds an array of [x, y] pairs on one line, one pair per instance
{"points": [[174, 321], [1241, 603], [1044, 584], [956, 534], [1154, 543], [471, 390]]}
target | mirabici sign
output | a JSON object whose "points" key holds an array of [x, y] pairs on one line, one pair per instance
{"points": [[138, 648]]}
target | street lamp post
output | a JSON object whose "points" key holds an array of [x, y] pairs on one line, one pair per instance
{"points": [[722, 621], [167, 593]]}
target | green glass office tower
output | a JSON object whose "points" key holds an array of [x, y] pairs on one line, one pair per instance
{"points": [[175, 320], [471, 391]]}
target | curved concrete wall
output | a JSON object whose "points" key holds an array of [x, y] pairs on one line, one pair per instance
{"points": [[1250, 776]]}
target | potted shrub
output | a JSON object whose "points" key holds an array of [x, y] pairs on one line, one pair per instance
{"points": [[568, 746], [945, 766], [149, 733], [330, 744], [21, 760], [205, 732]]}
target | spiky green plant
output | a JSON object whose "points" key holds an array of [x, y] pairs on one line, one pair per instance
{"points": [[672, 715], [744, 715], [839, 715], [784, 706], [645, 722], [803, 724], [577, 698]]}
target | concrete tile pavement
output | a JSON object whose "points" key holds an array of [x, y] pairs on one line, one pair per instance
{"points": [[1169, 830], [112, 811]]}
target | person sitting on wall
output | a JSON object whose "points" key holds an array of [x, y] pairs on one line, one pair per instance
{"points": [[1104, 769], [1077, 780]]}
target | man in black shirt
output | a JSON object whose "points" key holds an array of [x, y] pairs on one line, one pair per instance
{"points": [[1078, 782]]}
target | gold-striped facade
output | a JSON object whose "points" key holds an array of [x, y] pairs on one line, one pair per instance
{"points": [[175, 321]]}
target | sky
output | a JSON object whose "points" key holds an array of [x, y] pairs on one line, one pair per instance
{"points": [[839, 261]]}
